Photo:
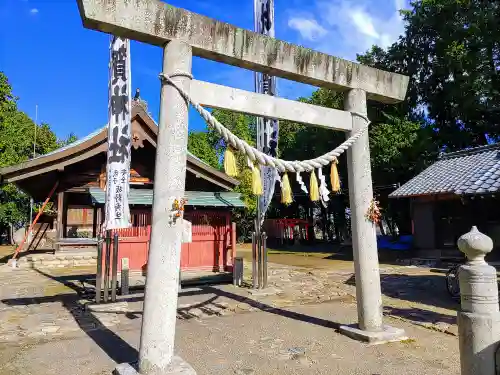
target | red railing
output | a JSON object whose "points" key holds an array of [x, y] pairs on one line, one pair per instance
{"points": [[134, 232], [212, 247], [284, 229]]}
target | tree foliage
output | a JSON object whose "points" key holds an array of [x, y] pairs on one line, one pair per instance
{"points": [[200, 147], [17, 134], [451, 51], [210, 147]]}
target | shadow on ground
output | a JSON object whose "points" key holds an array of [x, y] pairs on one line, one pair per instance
{"points": [[428, 289], [417, 315], [114, 346]]}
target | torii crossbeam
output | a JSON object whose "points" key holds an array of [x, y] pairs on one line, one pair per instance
{"points": [[183, 34]]}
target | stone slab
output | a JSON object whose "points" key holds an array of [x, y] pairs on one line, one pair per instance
{"points": [[387, 334], [108, 307], [156, 22], [177, 367]]}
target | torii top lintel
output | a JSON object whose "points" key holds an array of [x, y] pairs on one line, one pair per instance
{"points": [[156, 22]]}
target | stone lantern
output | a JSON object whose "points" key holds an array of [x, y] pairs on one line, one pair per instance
{"points": [[479, 318]]}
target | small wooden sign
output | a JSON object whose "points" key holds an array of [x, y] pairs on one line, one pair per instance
{"points": [[187, 234], [125, 264]]}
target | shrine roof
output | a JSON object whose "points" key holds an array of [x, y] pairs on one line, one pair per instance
{"points": [[466, 172], [96, 143]]}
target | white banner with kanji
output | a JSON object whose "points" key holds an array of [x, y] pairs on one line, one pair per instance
{"points": [[119, 136]]}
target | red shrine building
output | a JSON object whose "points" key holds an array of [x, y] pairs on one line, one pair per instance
{"points": [[74, 179]]}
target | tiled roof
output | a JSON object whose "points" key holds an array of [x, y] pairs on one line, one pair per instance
{"points": [[473, 171]]}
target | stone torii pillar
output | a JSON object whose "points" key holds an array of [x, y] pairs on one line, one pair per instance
{"points": [[370, 327], [156, 352]]}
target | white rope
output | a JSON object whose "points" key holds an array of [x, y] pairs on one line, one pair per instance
{"points": [[257, 156]]}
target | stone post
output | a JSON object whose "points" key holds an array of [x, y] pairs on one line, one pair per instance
{"points": [[364, 241], [479, 317], [156, 353]]}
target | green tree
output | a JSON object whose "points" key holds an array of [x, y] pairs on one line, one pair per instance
{"points": [[71, 138], [451, 51], [199, 146], [242, 126], [17, 134]]}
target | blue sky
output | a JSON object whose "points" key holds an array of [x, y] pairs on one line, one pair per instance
{"points": [[55, 63]]}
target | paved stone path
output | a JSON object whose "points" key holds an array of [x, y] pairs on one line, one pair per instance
{"points": [[44, 303]]}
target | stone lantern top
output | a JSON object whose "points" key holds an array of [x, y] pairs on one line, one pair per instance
{"points": [[475, 245]]}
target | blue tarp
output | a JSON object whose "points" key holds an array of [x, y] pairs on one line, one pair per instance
{"points": [[390, 243]]}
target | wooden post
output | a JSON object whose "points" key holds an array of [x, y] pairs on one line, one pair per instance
{"points": [[114, 268], [60, 211], [233, 242], [98, 277], [65, 216], [94, 222], [36, 220], [107, 259]]}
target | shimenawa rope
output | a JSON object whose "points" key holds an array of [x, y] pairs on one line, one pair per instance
{"points": [[258, 156]]}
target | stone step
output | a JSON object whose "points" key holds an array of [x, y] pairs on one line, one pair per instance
{"points": [[58, 260]]}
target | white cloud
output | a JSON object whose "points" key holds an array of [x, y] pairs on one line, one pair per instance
{"points": [[33, 10], [349, 27], [363, 23], [308, 28]]}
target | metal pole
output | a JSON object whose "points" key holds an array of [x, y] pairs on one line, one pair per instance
{"points": [[156, 353], [98, 275], [259, 259], [255, 282], [106, 266], [264, 259], [114, 271]]}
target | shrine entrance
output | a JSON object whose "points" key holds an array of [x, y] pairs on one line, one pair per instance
{"points": [[182, 35]]}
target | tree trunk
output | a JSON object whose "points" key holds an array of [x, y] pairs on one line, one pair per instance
{"points": [[381, 227], [11, 234]]}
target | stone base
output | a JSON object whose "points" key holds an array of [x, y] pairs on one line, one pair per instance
{"points": [[387, 334], [177, 367]]}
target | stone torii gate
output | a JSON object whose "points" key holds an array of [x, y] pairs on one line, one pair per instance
{"points": [[183, 34]]}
